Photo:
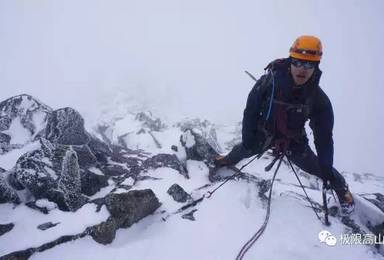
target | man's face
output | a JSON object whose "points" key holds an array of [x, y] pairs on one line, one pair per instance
{"points": [[301, 71]]}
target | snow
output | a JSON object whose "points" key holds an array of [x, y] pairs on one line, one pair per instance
{"points": [[39, 121], [27, 104], [25, 233], [44, 203], [8, 160], [19, 134], [224, 223], [189, 139], [170, 60], [96, 171], [129, 181]]}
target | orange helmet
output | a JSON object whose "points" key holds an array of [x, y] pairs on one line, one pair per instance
{"points": [[306, 48]]}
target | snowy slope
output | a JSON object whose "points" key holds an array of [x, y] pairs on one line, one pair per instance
{"points": [[223, 223]]}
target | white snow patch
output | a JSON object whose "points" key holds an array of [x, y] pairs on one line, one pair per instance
{"points": [[8, 160], [44, 203], [128, 181], [39, 121], [18, 133], [96, 171], [189, 139], [25, 233]]}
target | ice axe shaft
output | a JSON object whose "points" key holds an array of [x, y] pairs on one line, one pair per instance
{"points": [[250, 75]]}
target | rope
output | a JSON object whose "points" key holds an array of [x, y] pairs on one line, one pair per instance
{"points": [[257, 235], [237, 172], [309, 200], [272, 95]]}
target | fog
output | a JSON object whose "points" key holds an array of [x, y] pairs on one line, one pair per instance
{"points": [[187, 58]]}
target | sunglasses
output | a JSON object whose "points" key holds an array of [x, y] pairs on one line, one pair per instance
{"points": [[305, 64]]}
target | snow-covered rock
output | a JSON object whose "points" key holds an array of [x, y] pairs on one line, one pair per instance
{"points": [[70, 183], [7, 193], [203, 128], [126, 209], [133, 131], [197, 147], [165, 160], [66, 126], [34, 171], [92, 182], [22, 119], [123, 173], [178, 193]]}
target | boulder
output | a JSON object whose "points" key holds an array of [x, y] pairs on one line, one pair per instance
{"points": [[178, 193], [70, 181], [35, 172], [197, 147], [91, 183], [204, 128], [128, 208], [115, 170], [7, 193], [125, 209], [100, 149], [47, 225], [165, 160], [4, 228], [105, 232], [66, 126]]}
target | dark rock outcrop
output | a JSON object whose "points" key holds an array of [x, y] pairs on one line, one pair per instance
{"points": [[203, 128], [4, 228], [4, 142], [100, 149], [31, 112], [197, 147], [149, 122], [378, 200], [105, 232], [115, 170], [178, 193], [35, 172], [190, 215], [128, 208], [32, 205], [91, 183], [70, 182], [66, 126], [165, 160], [47, 225], [125, 209], [7, 193]]}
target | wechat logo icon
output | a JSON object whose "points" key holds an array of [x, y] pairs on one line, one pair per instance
{"points": [[327, 238]]}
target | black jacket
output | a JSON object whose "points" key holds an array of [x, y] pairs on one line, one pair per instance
{"points": [[320, 109]]}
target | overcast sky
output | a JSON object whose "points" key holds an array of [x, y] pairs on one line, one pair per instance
{"points": [[187, 58]]}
